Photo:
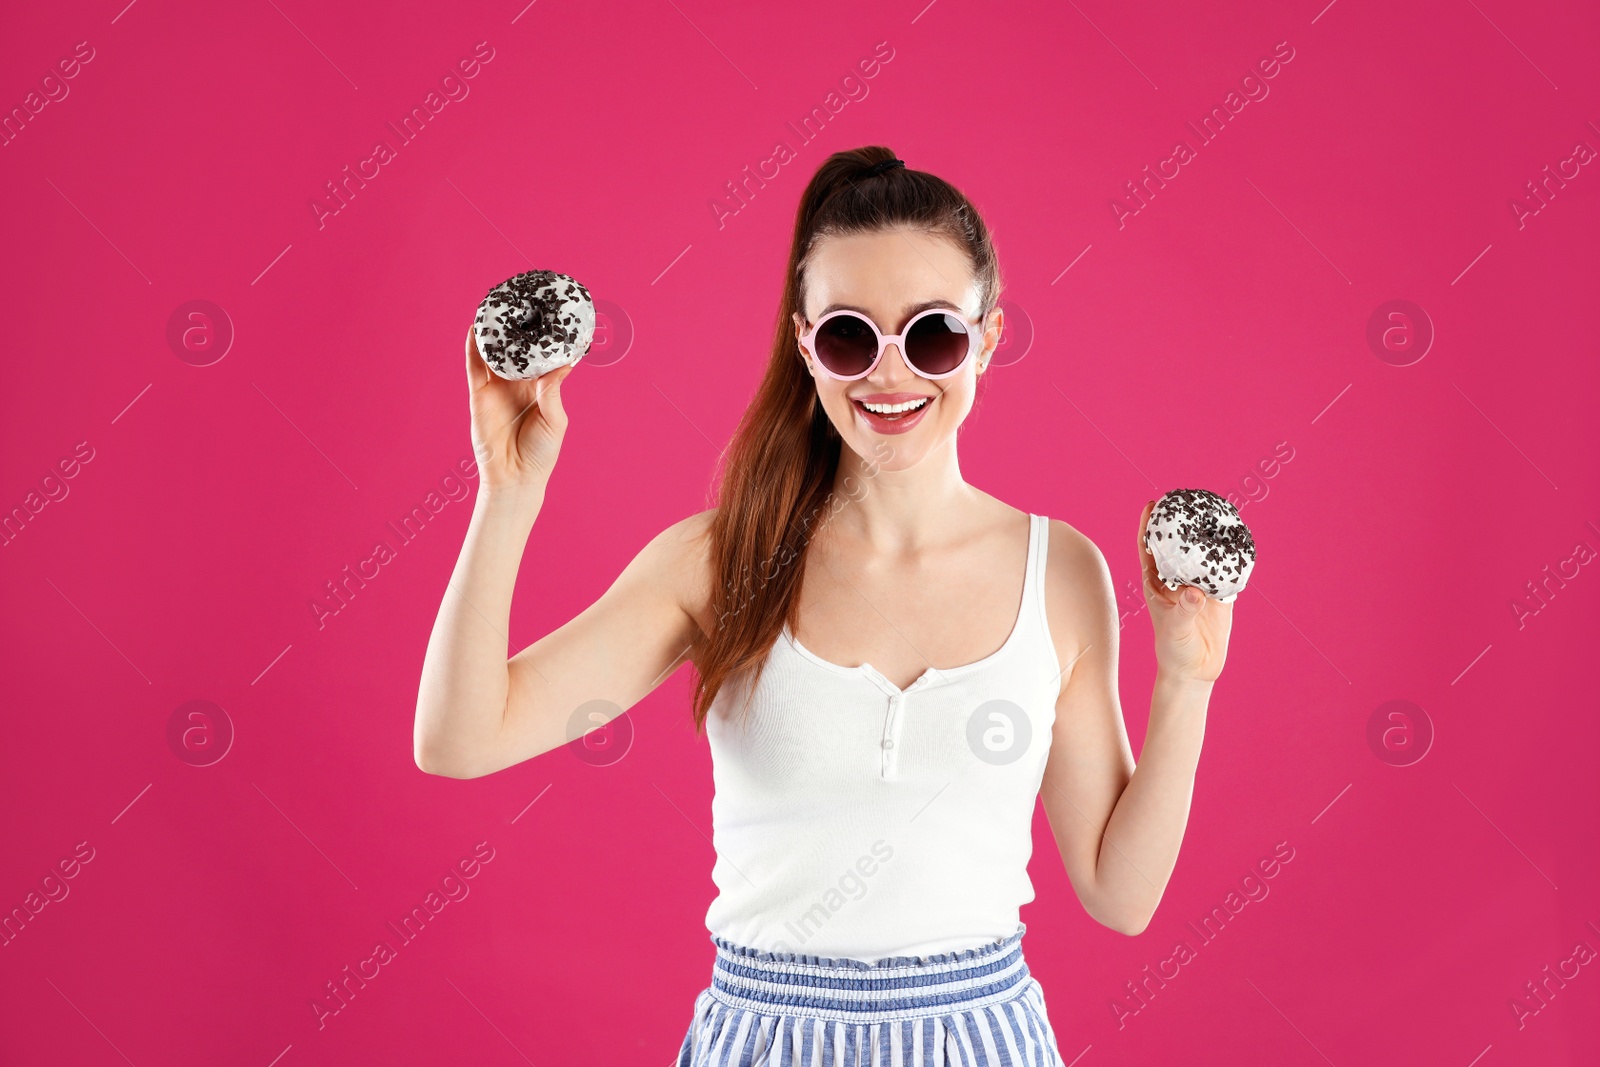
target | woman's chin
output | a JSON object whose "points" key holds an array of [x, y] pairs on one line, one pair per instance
{"points": [[888, 454]]}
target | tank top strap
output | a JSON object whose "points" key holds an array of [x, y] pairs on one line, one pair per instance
{"points": [[1033, 585]]}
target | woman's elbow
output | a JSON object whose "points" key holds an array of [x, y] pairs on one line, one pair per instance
{"points": [[1133, 926], [1121, 919], [431, 760]]}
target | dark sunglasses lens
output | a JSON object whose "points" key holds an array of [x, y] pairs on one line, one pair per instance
{"points": [[937, 343], [846, 344]]}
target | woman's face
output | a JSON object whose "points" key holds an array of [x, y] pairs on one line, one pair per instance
{"points": [[890, 275]]}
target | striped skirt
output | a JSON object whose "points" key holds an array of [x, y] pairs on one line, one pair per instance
{"points": [[974, 1008]]}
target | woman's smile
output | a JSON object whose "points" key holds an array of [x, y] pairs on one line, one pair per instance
{"points": [[891, 413]]}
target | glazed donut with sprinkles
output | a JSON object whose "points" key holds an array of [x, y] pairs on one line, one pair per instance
{"points": [[534, 322], [1198, 539]]}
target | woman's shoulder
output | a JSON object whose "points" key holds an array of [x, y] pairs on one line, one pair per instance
{"points": [[1070, 548], [1074, 564], [691, 529], [1080, 599], [1069, 553], [680, 557]]}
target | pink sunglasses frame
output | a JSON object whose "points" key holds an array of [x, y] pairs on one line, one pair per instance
{"points": [[974, 342]]}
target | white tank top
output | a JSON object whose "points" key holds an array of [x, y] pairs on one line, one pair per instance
{"points": [[852, 818]]}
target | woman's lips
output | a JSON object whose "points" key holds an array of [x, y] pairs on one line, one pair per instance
{"points": [[900, 424]]}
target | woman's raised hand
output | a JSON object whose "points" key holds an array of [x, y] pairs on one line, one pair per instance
{"points": [[517, 426], [1191, 628]]}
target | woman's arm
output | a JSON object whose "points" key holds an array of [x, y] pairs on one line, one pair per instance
{"points": [[477, 711], [1119, 826]]}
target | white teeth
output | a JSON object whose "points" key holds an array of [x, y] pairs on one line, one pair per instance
{"points": [[894, 409]]}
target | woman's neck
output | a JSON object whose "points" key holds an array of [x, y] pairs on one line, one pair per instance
{"points": [[901, 510]]}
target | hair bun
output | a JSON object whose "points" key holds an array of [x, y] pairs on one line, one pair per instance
{"points": [[879, 168]]}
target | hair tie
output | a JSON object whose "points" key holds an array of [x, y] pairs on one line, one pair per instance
{"points": [[879, 168]]}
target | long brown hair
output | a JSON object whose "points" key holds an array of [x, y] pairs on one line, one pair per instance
{"points": [[777, 478]]}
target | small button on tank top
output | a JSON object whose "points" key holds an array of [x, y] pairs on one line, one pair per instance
{"points": [[854, 818]]}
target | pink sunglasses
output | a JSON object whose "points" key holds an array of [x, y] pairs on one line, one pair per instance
{"points": [[936, 343]]}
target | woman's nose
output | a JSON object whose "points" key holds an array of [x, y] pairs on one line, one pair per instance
{"points": [[892, 367]]}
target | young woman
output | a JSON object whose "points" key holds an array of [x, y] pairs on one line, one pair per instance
{"points": [[892, 665]]}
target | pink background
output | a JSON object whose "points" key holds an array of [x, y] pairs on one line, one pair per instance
{"points": [[1227, 316]]}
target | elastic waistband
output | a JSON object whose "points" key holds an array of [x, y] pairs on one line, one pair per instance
{"points": [[852, 990]]}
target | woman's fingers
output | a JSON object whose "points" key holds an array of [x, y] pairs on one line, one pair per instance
{"points": [[547, 394], [1154, 588], [477, 369], [504, 398]]}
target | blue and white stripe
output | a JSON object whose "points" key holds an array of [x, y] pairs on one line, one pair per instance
{"points": [[975, 1008]]}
